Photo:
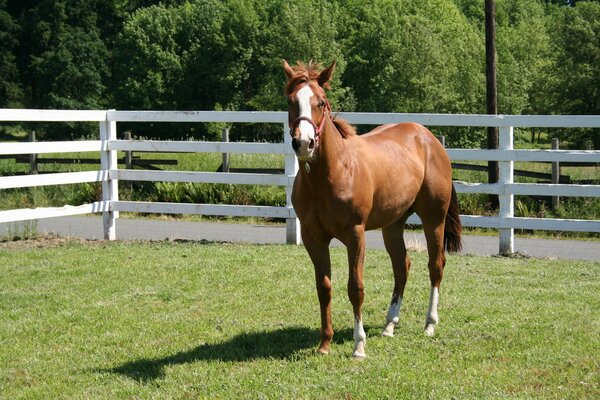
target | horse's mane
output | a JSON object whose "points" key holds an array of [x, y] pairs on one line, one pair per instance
{"points": [[303, 73], [310, 72], [346, 130]]}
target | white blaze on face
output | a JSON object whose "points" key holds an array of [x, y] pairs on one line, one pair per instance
{"points": [[307, 131]]}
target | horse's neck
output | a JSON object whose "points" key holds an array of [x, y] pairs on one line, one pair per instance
{"points": [[331, 160]]}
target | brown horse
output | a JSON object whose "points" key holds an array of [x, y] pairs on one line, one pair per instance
{"points": [[348, 184]]}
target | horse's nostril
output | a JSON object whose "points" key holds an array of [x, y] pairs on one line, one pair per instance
{"points": [[311, 144], [295, 144]]}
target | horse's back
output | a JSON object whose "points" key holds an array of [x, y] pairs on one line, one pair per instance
{"points": [[406, 142], [402, 133]]}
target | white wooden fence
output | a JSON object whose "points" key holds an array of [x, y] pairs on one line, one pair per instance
{"points": [[109, 173]]}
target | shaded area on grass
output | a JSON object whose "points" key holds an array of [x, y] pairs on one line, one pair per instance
{"points": [[279, 344]]}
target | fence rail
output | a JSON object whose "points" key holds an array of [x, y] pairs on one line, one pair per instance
{"points": [[109, 173]]}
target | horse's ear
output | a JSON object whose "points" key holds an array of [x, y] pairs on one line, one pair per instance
{"points": [[289, 72], [326, 74]]}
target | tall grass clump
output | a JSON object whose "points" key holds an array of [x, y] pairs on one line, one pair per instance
{"points": [[23, 230]]}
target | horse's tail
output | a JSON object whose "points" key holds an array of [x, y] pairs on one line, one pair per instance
{"points": [[453, 228]]}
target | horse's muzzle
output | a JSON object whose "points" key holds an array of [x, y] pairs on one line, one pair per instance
{"points": [[297, 144], [303, 148]]}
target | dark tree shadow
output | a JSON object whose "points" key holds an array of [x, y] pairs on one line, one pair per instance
{"points": [[279, 344]]}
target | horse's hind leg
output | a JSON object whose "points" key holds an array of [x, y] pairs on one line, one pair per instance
{"points": [[393, 237], [437, 260]]}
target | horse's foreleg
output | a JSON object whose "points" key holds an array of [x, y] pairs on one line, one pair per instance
{"points": [[319, 254], [393, 237], [356, 292], [323, 281], [437, 261]]}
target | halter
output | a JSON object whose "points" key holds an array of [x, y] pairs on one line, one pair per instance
{"points": [[318, 129]]}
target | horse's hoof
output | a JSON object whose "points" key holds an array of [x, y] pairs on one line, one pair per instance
{"points": [[322, 352], [430, 329], [388, 331], [359, 351]]}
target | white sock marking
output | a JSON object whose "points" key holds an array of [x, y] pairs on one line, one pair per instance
{"points": [[392, 318], [360, 338], [432, 313]]}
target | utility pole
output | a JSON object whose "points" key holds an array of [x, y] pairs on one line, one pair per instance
{"points": [[491, 86]]}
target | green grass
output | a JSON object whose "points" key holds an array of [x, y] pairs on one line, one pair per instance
{"points": [[208, 320]]}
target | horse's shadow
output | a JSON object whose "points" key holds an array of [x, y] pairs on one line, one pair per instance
{"points": [[280, 344]]}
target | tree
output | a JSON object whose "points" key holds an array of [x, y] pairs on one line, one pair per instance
{"points": [[148, 60], [192, 57], [297, 31], [11, 93], [523, 52], [63, 60], [415, 57], [221, 41], [575, 73]]}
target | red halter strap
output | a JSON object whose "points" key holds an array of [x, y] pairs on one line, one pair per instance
{"points": [[318, 129]]}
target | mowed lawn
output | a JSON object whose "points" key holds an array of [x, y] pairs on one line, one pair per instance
{"points": [[104, 320]]}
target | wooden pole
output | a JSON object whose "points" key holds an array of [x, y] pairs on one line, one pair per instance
{"points": [[225, 138], [442, 139], [33, 166], [491, 86], [128, 155], [555, 174]]}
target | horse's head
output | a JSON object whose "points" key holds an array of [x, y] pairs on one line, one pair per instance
{"points": [[308, 105]]}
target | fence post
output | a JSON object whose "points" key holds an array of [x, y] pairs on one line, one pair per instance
{"points": [[225, 138], [33, 168], [442, 139], [128, 153], [292, 225], [110, 187], [555, 174], [506, 201]]}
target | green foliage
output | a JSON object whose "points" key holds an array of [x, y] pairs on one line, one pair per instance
{"points": [[523, 46], [298, 31], [413, 57], [185, 58], [11, 93], [146, 59], [575, 73], [392, 56], [65, 61]]}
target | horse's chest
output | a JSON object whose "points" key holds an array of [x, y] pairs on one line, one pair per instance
{"points": [[329, 210]]}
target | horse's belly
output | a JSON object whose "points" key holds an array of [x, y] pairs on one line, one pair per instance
{"points": [[384, 217]]}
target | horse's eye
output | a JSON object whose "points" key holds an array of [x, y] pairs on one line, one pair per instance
{"points": [[322, 103]]}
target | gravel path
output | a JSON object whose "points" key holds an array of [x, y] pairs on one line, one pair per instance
{"points": [[146, 229]]}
